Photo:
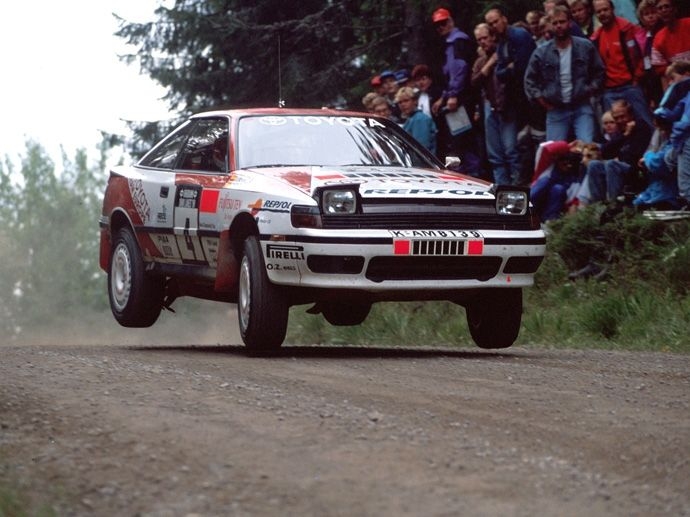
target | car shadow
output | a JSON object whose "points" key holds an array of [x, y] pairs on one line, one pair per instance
{"points": [[345, 352]]}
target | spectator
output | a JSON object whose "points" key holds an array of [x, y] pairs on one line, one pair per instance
{"points": [[679, 154], [368, 99], [557, 178], [390, 88], [545, 30], [428, 92], [608, 177], [581, 11], [500, 123], [561, 77], [456, 98], [416, 122], [377, 85], [672, 42], [402, 77], [532, 19], [619, 44], [650, 82], [381, 107], [514, 47], [609, 127], [662, 185]]}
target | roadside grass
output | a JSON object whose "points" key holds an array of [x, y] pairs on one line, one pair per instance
{"points": [[642, 303], [14, 504]]}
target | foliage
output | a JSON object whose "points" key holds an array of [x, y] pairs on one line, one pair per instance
{"points": [[222, 53], [48, 242]]}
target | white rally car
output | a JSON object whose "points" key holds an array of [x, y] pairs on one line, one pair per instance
{"points": [[269, 208]]}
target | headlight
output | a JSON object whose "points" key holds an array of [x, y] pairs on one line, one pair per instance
{"points": [[511, 201], [340, 201]]}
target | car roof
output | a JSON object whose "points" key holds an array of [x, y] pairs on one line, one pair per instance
{"points": [[239, 112]]}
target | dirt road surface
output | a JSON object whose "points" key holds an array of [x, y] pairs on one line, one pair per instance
{"points": [[195, 430]]}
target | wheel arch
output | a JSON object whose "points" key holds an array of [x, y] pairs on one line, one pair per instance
{"points": [[230, 252], [118, 219]]}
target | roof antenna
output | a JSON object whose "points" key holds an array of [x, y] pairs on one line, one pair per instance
{"points": [[281, 101]]}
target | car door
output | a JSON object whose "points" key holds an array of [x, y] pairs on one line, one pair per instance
{"points": [[201, 171]]}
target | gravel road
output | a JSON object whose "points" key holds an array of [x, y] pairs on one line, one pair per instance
{"points": [[188, 430]]}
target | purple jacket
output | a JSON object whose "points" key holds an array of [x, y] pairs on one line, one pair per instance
{"points": [[460, 52]]}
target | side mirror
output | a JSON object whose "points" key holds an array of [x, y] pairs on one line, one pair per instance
{"points": [[453, 163]]}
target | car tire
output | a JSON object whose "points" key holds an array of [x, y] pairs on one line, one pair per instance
{"points": [[345, 314], [136, 297], [494, 317], [262, 308]]}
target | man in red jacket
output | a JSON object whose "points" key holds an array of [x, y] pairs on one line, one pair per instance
{"points": [[619, 44]]}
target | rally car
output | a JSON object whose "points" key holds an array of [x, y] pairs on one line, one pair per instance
{"points": [[269, 208]]}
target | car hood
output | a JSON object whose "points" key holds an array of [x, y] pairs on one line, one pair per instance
{"points": [[381, 182]]}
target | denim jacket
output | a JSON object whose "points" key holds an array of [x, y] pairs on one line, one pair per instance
{"points": [[542, 78]]}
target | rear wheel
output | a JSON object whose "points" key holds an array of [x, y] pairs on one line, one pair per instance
{"points": [[345, 314], [136, 297], [261, 306], [494, 317]]}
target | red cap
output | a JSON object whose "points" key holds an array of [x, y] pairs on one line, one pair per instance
{"points": [[440, 15], [376, 80]]}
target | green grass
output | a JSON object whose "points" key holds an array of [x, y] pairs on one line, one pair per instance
{"points": [[642, 304]]}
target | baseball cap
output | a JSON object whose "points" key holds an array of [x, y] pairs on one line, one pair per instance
{"points": [[386, 74], [440, 15]]}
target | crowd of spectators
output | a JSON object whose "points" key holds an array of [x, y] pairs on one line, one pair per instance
{"points": [[586, 101]]}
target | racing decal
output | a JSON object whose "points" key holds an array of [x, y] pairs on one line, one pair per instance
{"points": [[274, 205], [209, 200], [228, 206], [141, 204], [210, 245], [186, 223], [424, 191], [284, 252], [299, 179], [255, 207], [166, 245], [437, 242], [319, 121]]}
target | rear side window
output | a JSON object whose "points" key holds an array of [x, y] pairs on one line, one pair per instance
{"points": [[164, 154]]}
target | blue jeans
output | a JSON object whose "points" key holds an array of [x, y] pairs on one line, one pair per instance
{"points": [[634, 96], [563, 122], [501, 132], [548, 195], [606, 179], [684, 170]]}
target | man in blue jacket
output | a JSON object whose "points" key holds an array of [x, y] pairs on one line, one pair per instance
{"points": [[562, 76]]}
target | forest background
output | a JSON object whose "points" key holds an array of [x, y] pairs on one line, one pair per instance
{"points": [[214, 54]]}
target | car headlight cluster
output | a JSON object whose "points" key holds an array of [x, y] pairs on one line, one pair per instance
{"points": [[338, 200], [511, 201]]}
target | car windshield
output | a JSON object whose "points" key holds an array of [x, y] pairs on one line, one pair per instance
{"points": [[326, 140]]}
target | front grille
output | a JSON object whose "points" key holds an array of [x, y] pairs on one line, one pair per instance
{"points": [[437, 247], [416, 217], [432, 268]]}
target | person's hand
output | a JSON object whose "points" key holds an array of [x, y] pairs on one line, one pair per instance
{"points": [[436, 106], [629, 128], [452, 103]]}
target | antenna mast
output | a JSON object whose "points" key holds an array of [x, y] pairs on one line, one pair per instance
{"points": [[281, 102]]}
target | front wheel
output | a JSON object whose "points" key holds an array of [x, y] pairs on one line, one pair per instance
{"points": [[261, 306], [494, 317], [136, 297]]}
